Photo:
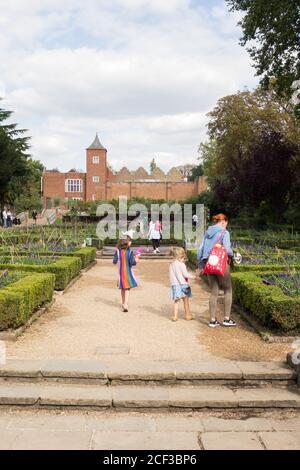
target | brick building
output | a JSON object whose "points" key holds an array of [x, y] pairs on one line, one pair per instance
{"points": [[100, 183]]}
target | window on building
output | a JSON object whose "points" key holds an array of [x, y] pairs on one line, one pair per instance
{"points": [[96, 179], [94, 197], [95, 159], [73, 186]]}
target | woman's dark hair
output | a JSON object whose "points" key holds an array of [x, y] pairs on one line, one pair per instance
{"points": [[219, 218], [123, 243]]}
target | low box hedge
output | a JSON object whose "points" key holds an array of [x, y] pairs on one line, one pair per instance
{"points": [[262, 267], [267, 303], [16, 239], [87, 255], [192, 257], [21, 299], [279, 243], [64, 268]]}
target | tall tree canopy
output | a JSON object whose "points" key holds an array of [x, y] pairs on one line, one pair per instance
{"points": [[272, 30], [253, 155], [19, 174]]}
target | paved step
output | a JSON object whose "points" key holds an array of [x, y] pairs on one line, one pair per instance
{"points": [[160, 256], [130, 371], [145, 397]]}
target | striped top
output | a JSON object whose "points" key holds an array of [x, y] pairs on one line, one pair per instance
{"points": [[125, 259]]}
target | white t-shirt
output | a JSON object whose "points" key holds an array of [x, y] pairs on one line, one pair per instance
{"points": [[153, 233]]}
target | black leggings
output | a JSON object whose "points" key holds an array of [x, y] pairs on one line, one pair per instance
{"points": [[155, 243]]}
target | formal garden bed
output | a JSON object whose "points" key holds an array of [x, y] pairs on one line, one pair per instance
{"points": [[267, 301], [87, 255], [270, 293], [64, 268], [22, 294]]}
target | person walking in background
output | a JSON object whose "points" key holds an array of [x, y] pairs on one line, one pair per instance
{"points": [[179, 281], [4, 216], [9, 218], [154, 235], [34, 216], [125, 259], [218, 233]]}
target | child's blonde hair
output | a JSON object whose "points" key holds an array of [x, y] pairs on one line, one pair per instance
{"points": [[178, 253]]}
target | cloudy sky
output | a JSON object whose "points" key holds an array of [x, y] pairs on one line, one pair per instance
{"points": [[142, 73]]}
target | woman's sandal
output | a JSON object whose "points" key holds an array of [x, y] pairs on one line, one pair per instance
{"points": [[189, 318], [174, 319]]}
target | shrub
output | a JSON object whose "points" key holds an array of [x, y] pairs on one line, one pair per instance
{"points": [[65, 269], [267, 303], [20, 300], [87, 255], [192, 257], [262, 267]]}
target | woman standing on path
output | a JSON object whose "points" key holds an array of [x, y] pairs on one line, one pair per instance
{"points": [[218, 233], [154, 235], [125, 258]]}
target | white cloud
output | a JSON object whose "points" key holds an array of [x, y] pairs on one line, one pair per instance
{"points": [[143, 73]]}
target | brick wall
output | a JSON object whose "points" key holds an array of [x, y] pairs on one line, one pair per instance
{"points": [[54, 186], [167, 191]]}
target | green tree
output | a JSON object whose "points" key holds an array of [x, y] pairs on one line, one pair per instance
{"points": [[196, 172], [28, 187], [272, 30], [13, 157], [253, 153]]}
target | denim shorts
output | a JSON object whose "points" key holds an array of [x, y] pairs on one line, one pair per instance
{"points": [[179, 291]]}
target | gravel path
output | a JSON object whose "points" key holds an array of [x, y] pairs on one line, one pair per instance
{"points": [[87, 323]]}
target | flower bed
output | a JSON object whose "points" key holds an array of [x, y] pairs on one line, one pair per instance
{"points": [[288, 282], [20, 299], [267, 303], [64, 268], [87, 255], [7, 278]]}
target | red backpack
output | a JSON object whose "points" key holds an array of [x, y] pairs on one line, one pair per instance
{"points": [[217, 260]]}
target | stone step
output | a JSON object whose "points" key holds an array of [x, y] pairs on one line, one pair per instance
{"points": [[145, 397], [161, 256], [135, 372]]}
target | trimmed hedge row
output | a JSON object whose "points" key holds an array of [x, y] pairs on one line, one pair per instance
{"points": [[192, 257], [16, 239], [284, 244], [262, 267], [65, 269], [21, 299], [87, 255], [268, 304]]}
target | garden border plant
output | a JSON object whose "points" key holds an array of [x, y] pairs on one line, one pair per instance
{"points": [[267, 303], [64, 268], [87, 255], [20, 300]]}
